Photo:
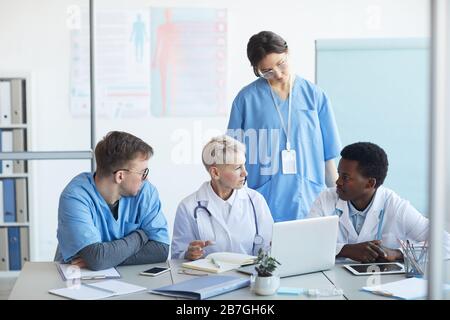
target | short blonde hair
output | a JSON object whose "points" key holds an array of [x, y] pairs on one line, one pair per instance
{"points": [[222, 150]]}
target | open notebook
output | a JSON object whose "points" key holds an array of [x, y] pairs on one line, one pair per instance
{"points": [[97, 290], [203, 287], [220, 262]]}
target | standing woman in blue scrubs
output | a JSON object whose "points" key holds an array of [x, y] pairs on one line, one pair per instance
{"points": [[289, 129]]}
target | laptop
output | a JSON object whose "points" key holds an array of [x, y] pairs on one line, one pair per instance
{"points": [[303, 246]]}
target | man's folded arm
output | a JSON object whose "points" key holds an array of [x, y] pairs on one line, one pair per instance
{"points": [[152, 252], [104, 255]]}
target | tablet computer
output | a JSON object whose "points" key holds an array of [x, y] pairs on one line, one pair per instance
{"points": [[364, 269]]}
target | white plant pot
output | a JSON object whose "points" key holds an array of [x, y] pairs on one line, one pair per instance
{"points": [[266, 286]]}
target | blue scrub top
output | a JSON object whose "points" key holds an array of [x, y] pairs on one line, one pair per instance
{"points": [[84, 217], [314, 137]]}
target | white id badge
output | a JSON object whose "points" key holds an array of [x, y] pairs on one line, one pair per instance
{"points": [[288, 161]]}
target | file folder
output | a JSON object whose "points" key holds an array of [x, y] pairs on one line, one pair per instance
{"points": [[203, 287], [4, 261], [5, 102], [1, 161], [2, 218], [18, 146], [9, 200], [17, 101], [21, 200], [24, 245], [7, 146], [14, 248]]}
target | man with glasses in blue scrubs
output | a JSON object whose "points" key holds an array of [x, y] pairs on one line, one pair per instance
{"points": [[113, 216], [288, 126]]}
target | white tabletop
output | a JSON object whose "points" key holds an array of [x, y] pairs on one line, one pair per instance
{"points": [[37, 278]]}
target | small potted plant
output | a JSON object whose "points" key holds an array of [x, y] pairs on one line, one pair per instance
{"points": [[266, 283]]}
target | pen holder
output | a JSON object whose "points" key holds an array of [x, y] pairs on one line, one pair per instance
{"points": [[415, 261]]}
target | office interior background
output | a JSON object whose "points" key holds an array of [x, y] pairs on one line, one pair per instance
{"points": [[370, 56]]}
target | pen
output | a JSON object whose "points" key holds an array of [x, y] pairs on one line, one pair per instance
{"points": [[214, 262], [100, 276], [192, 273], [383, 293]]}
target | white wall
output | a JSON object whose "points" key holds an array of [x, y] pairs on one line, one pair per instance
{"points": [[34, 38]]}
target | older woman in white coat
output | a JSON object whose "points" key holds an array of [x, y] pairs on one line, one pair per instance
{"points": [[223, 215], [372, 218]]}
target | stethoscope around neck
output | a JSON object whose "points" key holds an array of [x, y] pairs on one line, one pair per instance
{"points": [[258, 240]]}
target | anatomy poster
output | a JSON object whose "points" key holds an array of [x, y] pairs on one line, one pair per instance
{"points": [[188, 62], [122, 64]]}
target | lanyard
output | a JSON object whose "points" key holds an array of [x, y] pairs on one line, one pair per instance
{"points": [[286, 132]]}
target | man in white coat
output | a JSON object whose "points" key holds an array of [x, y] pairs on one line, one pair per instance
{"points": [[223, 215], [372, 218]]}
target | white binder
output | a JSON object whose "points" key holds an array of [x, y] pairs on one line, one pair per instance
{"points": [[5, 102], [18, 146], [24, 245], [4, 256], [17, 101], [21, 200], [7, 146]]}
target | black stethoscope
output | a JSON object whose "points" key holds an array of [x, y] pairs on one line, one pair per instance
{"points": [[258, 240]]}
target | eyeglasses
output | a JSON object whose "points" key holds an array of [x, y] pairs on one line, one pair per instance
{"points": [[143, 173], [270, 74]]}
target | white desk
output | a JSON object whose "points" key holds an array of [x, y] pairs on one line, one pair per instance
{"points": [[36, 278]]}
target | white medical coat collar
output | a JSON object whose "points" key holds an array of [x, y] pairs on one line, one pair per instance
{"points": [[203, 196], [372, 216], [215, 197]]}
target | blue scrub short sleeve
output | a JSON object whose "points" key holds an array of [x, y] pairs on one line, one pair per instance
{"points": [[236, 119], [76, 228], [151, 217], [330, 134]]}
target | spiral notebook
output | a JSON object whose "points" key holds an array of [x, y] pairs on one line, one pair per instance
{"points": [[70, 272]]}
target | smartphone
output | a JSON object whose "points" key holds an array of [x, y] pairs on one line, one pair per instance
{"points": [[156, 271]]}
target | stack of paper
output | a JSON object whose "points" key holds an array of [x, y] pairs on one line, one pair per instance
{"points": [[218, 262], [412, 288], [203, 287], [97, 290]]}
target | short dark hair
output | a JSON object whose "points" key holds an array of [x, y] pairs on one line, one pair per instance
{"points": [[116, 149], [372, 160], [262, 44]]}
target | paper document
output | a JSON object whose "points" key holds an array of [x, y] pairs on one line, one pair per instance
{"points": [[70, 272], [97, 290], [203, 287], [408, 289], [218, 262]]}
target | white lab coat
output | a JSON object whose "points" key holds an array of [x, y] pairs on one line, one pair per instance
{"points": [[235, 235], [401, 220]]}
